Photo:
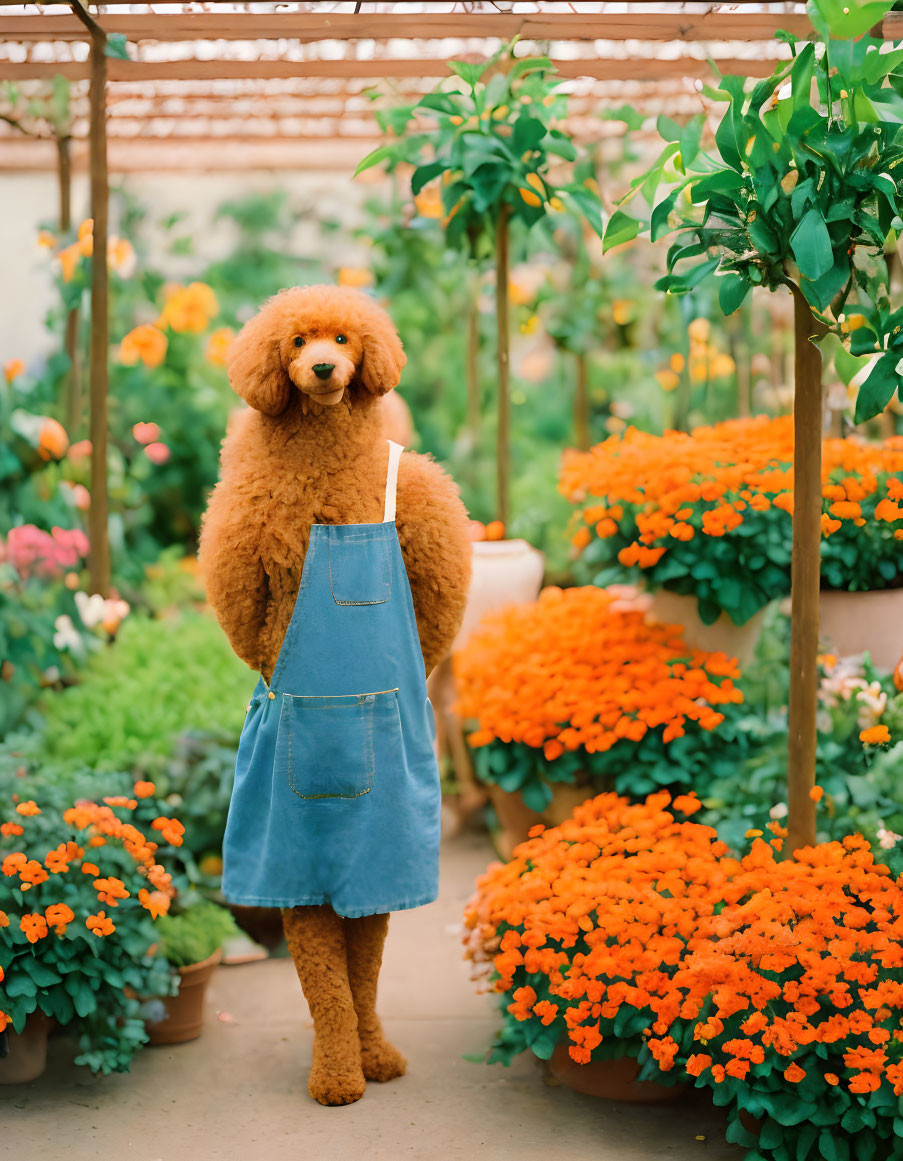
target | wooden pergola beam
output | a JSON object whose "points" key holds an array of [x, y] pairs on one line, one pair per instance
{"points": [[188, 70], [309, 27]]}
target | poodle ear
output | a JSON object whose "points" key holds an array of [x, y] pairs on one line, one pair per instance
{"points": [[383, 358], [255, 368]]}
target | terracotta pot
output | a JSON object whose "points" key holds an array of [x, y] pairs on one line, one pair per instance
{"points": [[27, 1057], [613, 1080], [263, 924], [185, 1010], [852, 623], [723, 635], [515, 818]]}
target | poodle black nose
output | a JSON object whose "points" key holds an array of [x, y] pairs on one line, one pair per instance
{"points": [[323, 370]]}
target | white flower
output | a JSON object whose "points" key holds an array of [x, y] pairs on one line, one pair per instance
{"points": [[778, 811], [91, 609], [887, 838], [66, 635]]}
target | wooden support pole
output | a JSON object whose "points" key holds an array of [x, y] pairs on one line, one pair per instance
{"points": [[98, 529], [805, 576], [72, 384], [472, 367], [503, 438], [581, 403]]}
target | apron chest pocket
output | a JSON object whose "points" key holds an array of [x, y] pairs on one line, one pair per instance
{"points": [[359, 571], [328, 747]]}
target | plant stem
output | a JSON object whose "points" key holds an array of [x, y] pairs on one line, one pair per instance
{"points": [[503, 439], [581, 404], [72, 383], [805, 576], [99, 559], [472, 366]]}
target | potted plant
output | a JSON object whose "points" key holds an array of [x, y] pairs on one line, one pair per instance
{"points": [[577, 693], [704, 520], [79, 888], [800, 196], [796, 981], [191, 941], [582, 931], [485, 155]]}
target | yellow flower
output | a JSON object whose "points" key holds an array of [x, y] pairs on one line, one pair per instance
{"points": [[13, 368], [121, 256], [556, 204], [189, 308], [218, 345], [677, 362], [699, 330], [667, 379], [622, 311], [86, 237], [356, 276], [529, 196], [145, 344], [46, 240], [429, 202]]}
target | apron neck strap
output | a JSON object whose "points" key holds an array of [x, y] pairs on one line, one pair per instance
{"points": [[395, 450]]}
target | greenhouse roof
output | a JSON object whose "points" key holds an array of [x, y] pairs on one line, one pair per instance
{"points": [[218, 86]]}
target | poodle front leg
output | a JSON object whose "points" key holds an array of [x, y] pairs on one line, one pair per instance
{"points": [[365, 938], [316, 940]]}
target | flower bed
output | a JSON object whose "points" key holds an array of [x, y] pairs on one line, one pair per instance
{"points": [[578, 686], [709, 513], [80, 887], [776, 984]]}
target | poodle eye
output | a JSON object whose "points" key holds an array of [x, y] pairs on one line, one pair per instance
{"points": [[299, 342], [341, 339]]}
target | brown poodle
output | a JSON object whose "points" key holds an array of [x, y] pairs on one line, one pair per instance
{"points": [[311, 449]]}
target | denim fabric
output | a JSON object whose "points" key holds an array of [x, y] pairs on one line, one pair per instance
{"points": [[336, 796]]}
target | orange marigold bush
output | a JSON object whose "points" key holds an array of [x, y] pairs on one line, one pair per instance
{"points": [[709, 512], [77, 937], [578, 684], [776, 983]]}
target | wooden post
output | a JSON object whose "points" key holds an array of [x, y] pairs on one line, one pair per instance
{"points": [[98, 531], [72, 385], [805, 576], [503, 439], [581, 403]]}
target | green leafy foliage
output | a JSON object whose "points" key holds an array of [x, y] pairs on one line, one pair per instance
{"points": [[795, 193], [193, 935]]}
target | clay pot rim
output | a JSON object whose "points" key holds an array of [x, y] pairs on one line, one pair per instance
{"points": [[500, 547]]}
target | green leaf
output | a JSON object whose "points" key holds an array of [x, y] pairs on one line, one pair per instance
{"points": [[732, 290], [536, 795], [528, 132], [116, 46], [383, 153], [878, 389], [469, 73], [844, 19], [811, 245], [668, 129], [621, 228], [424, 174], [659, 221], [690, 139]]}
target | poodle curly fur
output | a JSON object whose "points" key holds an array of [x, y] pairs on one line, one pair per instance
{"points": [[311, 448]]}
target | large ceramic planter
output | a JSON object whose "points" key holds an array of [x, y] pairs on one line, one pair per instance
{"points": [[516, 818], [185, 1010], [851, 623], [613, 1080], [722, 636], [27, 1056], [505, 572]]}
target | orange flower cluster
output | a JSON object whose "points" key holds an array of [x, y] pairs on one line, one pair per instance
{"points": [[573, 669], [710, 480], [797, 963]]}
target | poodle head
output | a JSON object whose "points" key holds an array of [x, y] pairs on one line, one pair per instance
{"points": [[326, 343]]}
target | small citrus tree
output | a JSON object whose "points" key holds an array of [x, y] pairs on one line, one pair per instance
{"points": [[800, 196], [490, 147]]}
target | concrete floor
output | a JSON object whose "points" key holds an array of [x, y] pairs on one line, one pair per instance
{"points": [[239, 1092]]}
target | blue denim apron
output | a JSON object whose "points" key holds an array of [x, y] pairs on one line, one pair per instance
{"points": [[336, 797]]}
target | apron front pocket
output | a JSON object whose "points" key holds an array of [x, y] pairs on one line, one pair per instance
{"points": [[327, 746], [359, 572]]}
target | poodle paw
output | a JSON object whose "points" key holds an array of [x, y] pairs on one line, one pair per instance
{"points": [[381, 1061], [336, 1082]]}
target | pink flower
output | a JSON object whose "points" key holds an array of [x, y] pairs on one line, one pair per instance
{"points": [[146, 432], [157, 453], [82, 497], [33, 552], [80, 450]]}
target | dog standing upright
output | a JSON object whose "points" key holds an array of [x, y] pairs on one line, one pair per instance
{"points": [[338, 567]]}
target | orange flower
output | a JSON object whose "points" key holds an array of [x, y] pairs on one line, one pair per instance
{"points": [[110, 890], [875, 736], [144, 344], [99, 924], [10, 829], [29, 809], [52, 440], [170, 829], [794, 1074], [144, 789], [58, 915], [31, 874], [816, 793], [218, 345], [34, 927], [4, 919], [156, 902], [189, 308]]}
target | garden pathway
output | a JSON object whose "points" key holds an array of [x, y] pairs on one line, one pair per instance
{"points": [[239, 1092]]}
